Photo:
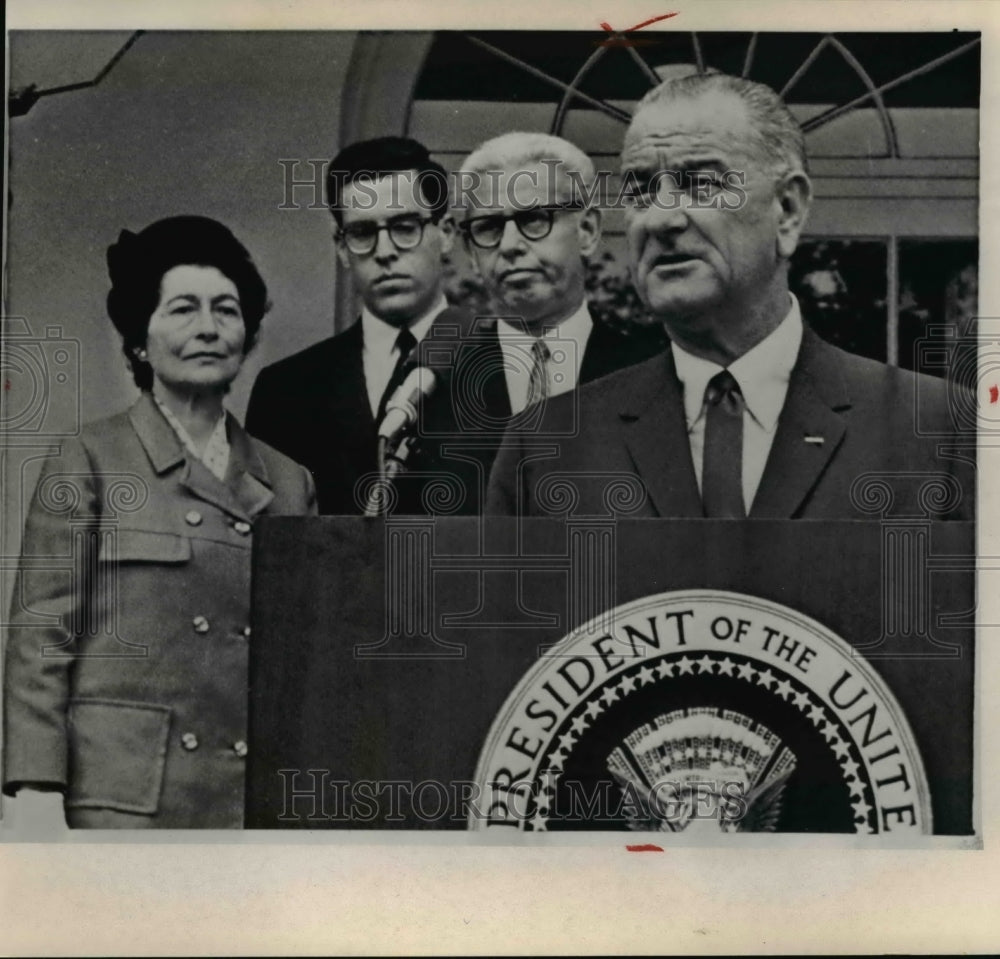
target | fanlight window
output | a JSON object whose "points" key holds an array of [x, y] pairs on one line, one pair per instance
{"points": [[891, 123]]}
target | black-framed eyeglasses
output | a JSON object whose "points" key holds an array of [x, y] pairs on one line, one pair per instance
{"points": [[405, 231], [486, 232]]}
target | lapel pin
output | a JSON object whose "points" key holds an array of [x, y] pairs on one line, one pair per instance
{"points": [[818, 440]]}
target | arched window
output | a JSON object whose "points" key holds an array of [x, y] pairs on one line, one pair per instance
{"points": [[891, 122]]}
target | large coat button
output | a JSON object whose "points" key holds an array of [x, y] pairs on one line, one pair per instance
{"points": [[240, 748], [192, 517], [189, 741], [242, 527], [200, 624]]}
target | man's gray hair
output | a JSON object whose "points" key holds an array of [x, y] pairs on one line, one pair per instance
{"points": [[778, 136], [521, 148]]}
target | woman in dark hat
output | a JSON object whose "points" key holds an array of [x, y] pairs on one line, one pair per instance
{"points": [[126, 668]]}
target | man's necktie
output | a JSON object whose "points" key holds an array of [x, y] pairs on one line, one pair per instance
{"points": [[405, 342], [538, 381], [722, 464]]}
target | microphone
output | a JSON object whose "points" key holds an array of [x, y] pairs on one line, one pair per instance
{"points": [[402, 409], [431, 365]]}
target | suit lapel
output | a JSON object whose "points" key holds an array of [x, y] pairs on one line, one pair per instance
{"points": [[247, 490], [348, 389], [600, 352], [475, 404], [247, 477], [489, 365], [657, 438], [155, 434], [609, 350], [347, 438], [810, 429], [201, 483]]}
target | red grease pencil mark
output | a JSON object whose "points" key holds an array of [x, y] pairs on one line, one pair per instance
{"points": [[622, 41], [6, 385], [994, 394], [645, 847]]}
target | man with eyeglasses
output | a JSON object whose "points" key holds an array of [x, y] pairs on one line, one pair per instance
{"points": [[749, 413], [529, 225], [322, 406]]}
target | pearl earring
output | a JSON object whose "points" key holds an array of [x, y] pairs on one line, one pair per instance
{"points": [[140, 354]]}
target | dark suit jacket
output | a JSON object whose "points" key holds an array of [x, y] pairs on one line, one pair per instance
{"points": [[853, 433], [127, 657], [313, 406]]}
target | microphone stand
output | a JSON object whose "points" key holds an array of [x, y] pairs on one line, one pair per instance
{"points": [[390, 464]]}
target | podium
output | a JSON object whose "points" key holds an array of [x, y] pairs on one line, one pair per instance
{"points": [[401, 667]]}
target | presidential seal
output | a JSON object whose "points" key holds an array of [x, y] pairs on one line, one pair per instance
{"points": [[704, 712]]}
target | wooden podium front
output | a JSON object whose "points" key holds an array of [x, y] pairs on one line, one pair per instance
{"points": [[383, 651]]}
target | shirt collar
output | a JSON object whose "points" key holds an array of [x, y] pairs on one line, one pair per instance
{"points": [[576, 327], [762, 372], [380, 337], [216, 453]]}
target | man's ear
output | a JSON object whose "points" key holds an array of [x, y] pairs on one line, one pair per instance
{"points": [[342, 254], [794, 196], [589, 230], [447, 227]]}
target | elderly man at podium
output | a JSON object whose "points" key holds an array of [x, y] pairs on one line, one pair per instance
{"points": [[525, 209], [748, 413], [530, 227]]}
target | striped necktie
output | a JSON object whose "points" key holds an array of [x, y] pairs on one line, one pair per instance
{"points": [[538, 381]]}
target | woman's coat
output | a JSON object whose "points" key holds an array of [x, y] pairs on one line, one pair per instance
{"points": [[126, 664]]}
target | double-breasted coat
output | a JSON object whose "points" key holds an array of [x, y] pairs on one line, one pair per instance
{"points": [[127, 657]]}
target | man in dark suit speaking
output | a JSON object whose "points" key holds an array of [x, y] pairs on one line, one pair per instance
{"points": [[748, 413], [322, 406]]}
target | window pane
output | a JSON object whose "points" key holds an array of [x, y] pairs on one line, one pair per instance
{"points": [[938, 294], [610, 293], [841, 286]]}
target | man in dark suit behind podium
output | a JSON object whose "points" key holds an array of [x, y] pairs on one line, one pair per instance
{"points": [[747, 413], [525, 205], [321, 407]]}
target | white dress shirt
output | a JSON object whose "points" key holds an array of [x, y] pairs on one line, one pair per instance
{"points": [[379, 352], [566, 342], [763, 374]]}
